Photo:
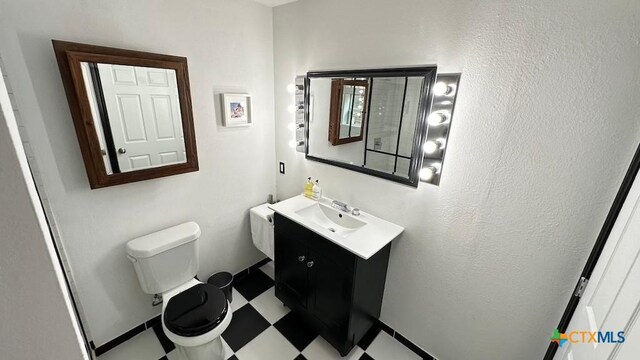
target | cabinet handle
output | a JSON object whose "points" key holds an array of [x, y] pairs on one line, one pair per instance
{"points": [[301, 258], [310, 264]]}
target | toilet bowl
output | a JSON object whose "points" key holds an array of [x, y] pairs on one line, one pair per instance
{"points": [[261, 220], [192, 341], [194, 314]]}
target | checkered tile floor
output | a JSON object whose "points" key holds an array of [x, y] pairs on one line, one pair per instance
{"points": [[263, 328]]}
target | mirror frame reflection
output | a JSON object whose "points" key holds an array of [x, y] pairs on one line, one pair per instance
{"points": [[428, 73], [337, 110], [70, 57]]}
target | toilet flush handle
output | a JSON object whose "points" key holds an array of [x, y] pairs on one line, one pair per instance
{"points": [[131, 258]]}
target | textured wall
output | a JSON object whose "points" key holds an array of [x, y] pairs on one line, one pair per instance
{"points": [[545, 126], [229, 47]]}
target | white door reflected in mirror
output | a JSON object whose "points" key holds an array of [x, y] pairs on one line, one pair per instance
{"points": [[136, 111]]}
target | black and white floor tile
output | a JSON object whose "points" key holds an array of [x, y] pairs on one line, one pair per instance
{"points": [[263, 328]]}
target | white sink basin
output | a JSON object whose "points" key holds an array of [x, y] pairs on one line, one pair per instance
{"points": [[331, 219], [363, 235]]}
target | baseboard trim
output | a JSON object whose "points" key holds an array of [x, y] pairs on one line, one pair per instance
{"points": [[118, 340], [254, 267], [404, 341], [259, 264]]}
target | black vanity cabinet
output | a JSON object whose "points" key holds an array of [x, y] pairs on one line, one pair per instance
{"points": [[337, 292]]}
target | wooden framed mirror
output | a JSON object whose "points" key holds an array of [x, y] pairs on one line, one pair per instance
{"points": [[131, 111], [348, 112]]}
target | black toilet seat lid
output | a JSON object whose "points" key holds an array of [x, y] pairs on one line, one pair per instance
{"points": [[196, 310]]}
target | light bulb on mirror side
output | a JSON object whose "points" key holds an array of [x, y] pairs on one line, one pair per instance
{"points": [[432, 146], [427, 173], [292, 126], [441, 88], [292, 144], [291, 88], [437, 118], [291, 108]]}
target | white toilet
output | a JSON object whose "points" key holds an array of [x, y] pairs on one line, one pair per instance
{"points": [[194, 314]]}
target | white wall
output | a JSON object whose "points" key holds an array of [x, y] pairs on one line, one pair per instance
{"points": [[35, 309], [229, 47], [545, 126]]}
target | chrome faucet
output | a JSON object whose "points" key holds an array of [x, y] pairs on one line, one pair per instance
{"points": [[340, 205]]}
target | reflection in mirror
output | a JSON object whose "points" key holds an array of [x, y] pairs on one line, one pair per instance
{"points": [[136, 113], [348, 110], [376, 122]]}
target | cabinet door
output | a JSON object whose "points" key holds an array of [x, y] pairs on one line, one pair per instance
{"points": [[330, 297], [291, 270]]}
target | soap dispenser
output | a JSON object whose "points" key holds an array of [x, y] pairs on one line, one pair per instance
{"points": [[317, 191], [308, 188]]}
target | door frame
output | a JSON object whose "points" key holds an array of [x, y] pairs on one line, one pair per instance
{"points": [[594, 256], [67, 286]]}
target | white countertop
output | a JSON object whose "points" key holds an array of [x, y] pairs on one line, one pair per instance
{"points": [[364, 242]]}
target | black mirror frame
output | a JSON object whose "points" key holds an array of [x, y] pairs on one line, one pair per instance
{"points": [[429, 74]]}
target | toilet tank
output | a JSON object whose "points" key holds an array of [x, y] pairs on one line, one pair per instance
{"points": [[166, 258]]}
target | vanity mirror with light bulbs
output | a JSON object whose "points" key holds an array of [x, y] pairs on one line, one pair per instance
{"points": [[445, 92], [131, 110], [380, 122]]}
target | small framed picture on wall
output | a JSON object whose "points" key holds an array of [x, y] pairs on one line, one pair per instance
{"points": [[236, 110]]}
